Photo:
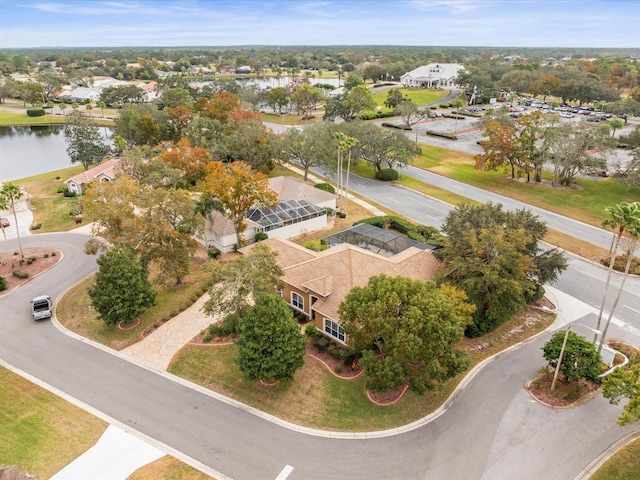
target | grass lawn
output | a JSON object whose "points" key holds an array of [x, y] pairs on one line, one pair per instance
{"points": [[168, 468], [418, 96], [624, 465], [75, 312], [19, 117], [41, 433], [51, 209], [326, 402], [585, 203]]}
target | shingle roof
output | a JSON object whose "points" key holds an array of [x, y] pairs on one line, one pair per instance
{"points": [[332, 273], [289, 188], [106, 168]]}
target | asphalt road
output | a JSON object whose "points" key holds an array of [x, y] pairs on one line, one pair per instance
{"points": [[492, 430], [583, 279]]}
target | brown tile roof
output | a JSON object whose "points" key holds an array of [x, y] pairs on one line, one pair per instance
{"points": [[106, 168], [332, 273]]}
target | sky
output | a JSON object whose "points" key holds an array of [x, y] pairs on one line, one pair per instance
{"points": [[172, 23]]}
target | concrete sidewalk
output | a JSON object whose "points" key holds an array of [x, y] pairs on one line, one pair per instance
{"points": [[115, 456]]}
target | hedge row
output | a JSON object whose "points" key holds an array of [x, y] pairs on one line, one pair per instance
{"points": [[454, 116], [387, 174], [469, 114], [35, 112], [420, 233], [393, 125], [370, 115], [326, 187], [450, 136]]}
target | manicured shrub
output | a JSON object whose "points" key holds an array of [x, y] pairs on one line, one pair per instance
{"points": [[445, 105], [450, 136], [454, 116], [341, 215], [213, 253], [35, 112], [326, 187], [53, 254], [311, 330], [393, 125], [20, 274], [4, 285], [46, 255], [30, 260], [69, 194], [260, 236], [322, 343], [36, 226], [207, 338], [387, 174], [338, 368], [62, 189], [315, 245]]}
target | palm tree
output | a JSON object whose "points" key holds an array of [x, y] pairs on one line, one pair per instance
{"points": [[102, 105], [12, 193], [4, 205], [348, 143], [89, 107], [625, 218]]}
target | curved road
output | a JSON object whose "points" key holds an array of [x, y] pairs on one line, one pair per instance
{"points": [[492, 430]]}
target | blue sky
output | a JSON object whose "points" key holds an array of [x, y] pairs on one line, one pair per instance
{"points": [[165, 23]]}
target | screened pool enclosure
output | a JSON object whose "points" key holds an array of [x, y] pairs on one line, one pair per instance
{"points": [[377, 240], [284, 213]]}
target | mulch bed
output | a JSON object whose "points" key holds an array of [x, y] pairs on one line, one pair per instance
{"points": [[330, 362], [544, 302], [565, 395], [388, 397], [199, 339], [40, 265], [130, 325]]}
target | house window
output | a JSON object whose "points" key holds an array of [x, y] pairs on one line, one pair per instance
{"points": [[297, 301], [333, 329]]}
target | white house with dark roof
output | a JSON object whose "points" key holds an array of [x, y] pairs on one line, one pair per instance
{"points": [[434, 75], [301, 208], [105, 172]]}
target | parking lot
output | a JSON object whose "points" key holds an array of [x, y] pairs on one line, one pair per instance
{"points": [[469, 134]]}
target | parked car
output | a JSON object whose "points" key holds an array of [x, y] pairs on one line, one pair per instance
{"points": [[4, 222], [41, 307]]}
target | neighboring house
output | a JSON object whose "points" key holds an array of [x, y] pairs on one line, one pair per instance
{"points": [[301, 209], [315, 283], [105, 172], [433, 75]]}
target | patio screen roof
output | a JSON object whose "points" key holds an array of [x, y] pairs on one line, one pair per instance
{"points": [[284, 213], [377, 240]]}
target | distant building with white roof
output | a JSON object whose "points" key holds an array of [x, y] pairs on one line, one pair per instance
{"points": [[433, 75]]}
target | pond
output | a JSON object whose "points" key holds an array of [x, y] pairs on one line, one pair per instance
{"points": [[27, 151]]}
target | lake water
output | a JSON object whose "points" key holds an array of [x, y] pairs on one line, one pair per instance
{"points": [[27, 151]]}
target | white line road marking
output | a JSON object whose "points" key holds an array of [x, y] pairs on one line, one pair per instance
{"points": [[632, 309], [286, 471], [393, 200], [427, 205]]}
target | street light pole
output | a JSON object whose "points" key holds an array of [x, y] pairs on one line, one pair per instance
{"points": [[564, 344]]}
